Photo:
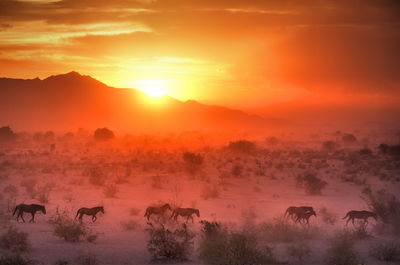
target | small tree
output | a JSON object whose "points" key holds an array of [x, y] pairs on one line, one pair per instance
{"points": [[242, 146], [7, 135], [349, 138], [329, 146], [103, 134], [14, 240], [386, 206], [341, 251], [166, 245], [192, 161], [311, 183]]}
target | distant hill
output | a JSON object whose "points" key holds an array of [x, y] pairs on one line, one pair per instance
{"points": [[69, 101]]}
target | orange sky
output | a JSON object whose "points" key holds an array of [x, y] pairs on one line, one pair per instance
{"points": [[239, 53]]}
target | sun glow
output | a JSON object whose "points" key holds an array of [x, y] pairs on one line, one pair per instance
{"points": [[153, 88]]}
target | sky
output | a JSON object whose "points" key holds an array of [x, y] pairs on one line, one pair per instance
{"points": [[247, 54]]}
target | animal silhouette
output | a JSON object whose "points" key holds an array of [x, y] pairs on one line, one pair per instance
{"points": [[294, 211], [185, 212], [28, 208], [156, 210], [304, 216], [89, 211], [363, 215]]}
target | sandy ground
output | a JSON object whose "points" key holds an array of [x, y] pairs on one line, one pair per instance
{"points": [[267, 197]]}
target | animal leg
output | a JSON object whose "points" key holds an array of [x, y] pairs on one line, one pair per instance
{"points": [[94, 218], [22, 216], [33, 218]]}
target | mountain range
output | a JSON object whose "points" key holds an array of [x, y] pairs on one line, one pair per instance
{"points": [[70, 101]]}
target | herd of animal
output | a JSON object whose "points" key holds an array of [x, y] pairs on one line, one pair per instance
{"points": [[299, 214]]}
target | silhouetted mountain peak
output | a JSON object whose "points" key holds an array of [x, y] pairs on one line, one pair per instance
{"points": [[73, 79]]}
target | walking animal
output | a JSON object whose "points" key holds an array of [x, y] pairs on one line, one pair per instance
{"points": [[185, 212], [89, 211], [28, 208], [305, 216], [294, 211], [156, 210], [364, 215]]}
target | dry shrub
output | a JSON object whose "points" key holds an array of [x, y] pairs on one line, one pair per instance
{"points": [[237, 170], [327, 216], [387, 207], [387, 251], [96, 176], [299, 250], [280, 231], [29, 185], [70, 230], [87, 259], [4, 217], [134, 211], [210, 192], [43, 193], [61, 262], [249, 217], [11, 190], [341, 250], [311, 183], [14, 240], [220, 246], [130, 225], [193, 162], [166, 245], [103, 134], [111, 191], [242, 146], [16, 259]]}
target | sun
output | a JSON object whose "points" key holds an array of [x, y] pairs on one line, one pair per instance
{"points": [[153, 88]]}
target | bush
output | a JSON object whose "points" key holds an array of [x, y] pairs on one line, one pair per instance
{"points": [[134, 211], [237, 170], [329, 146], [299, 250], [96, 176], [219, 246], [69, 230], [349, 138], [280, 231], [61, 262], [327, 216], [193, 162], [341, 251], [388, 251], [103, 134], [386, 206], [16, 259], [87, 259], [43, 193], [14, 240], [166, 245], [311, 183], [111, 191], [242, 146], [7, 135], [130, 225], [210, 192]]}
